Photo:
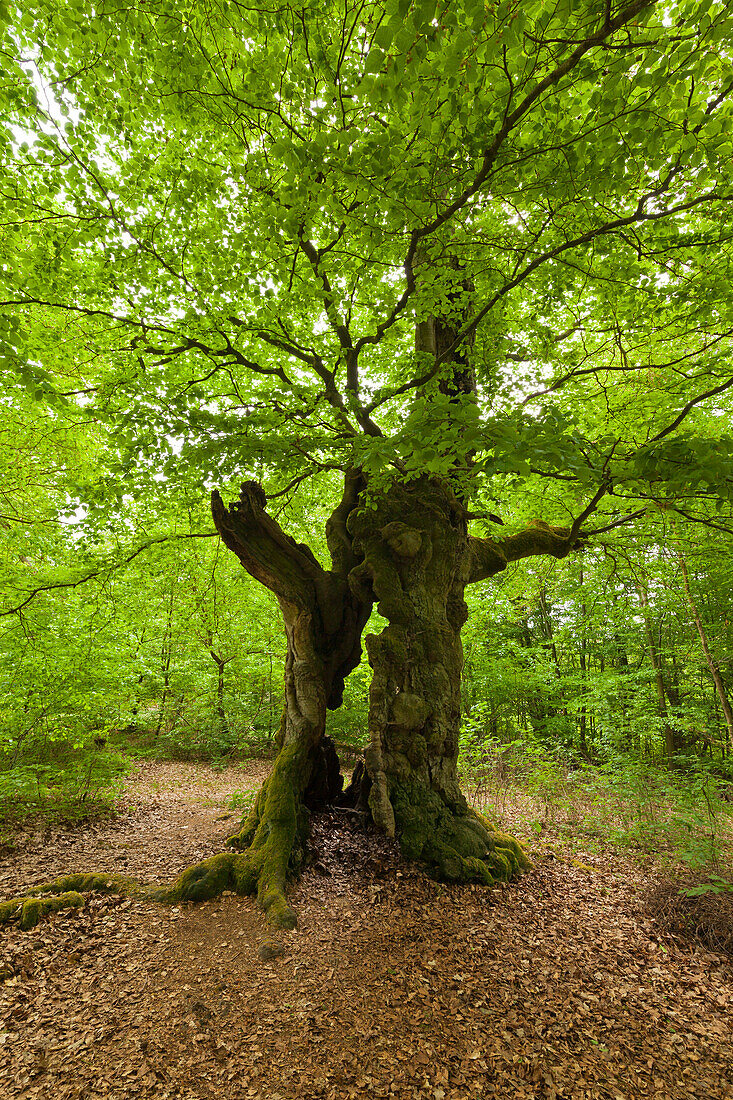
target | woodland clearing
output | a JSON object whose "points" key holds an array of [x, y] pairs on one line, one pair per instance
{"points": [[557, 985]]}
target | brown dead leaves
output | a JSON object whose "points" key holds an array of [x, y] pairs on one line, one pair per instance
{"points": [[392, 986]]}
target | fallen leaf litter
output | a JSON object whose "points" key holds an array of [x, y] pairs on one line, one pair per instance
{"points": [[557, 986]]}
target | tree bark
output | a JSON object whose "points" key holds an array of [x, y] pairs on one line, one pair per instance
{"points": [[709, 659], [408, 549], [417, 560], [672, 742], [323, 620]]}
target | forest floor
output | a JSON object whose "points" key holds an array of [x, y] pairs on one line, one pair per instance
{"points": [[558, 985]]}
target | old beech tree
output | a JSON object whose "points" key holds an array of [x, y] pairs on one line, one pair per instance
{"points": [[427, 248]]}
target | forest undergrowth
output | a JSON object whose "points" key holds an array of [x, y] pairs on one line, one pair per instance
{"points": [[678, 821], [674, 824]]}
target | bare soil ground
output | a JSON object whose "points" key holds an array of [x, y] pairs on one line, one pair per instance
{"points": [[556, 986]]}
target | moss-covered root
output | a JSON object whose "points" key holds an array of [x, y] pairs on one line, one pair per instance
{"points": [[63, 893], [91, 881], [274, 837], [277, 830], [31, 909], [458, 844]]}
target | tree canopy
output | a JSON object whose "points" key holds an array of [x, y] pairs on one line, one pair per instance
{"points": [[223, 224]]}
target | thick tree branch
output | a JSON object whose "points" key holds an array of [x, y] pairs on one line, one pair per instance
{"points": [[319, 605], [580, 520], [288, 568], [491, 556], [509, 122], [335, 320]]}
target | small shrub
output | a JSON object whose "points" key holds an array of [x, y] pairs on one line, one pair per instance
{"points": [[83, 783], [241, 800], [715, 885]]}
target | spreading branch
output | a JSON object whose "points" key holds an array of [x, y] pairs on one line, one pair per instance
{"points": [[491, 556], [509, 122], [103, 570]]}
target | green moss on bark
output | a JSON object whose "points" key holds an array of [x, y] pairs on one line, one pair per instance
{"points": [[277, 848], [92, 881], [202, 881], [457, 844], [29, 910], [35, 908], [65, 892], [273, 837]]}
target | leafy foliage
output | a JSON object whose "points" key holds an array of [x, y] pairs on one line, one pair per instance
{"points": [[223, 227]]}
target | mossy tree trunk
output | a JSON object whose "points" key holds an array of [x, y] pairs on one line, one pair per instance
{"points": [[418, 560], [324, 620], [409, 550]]}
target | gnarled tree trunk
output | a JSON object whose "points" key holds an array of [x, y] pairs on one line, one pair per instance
{"points": [[323, 620], [418, 559], [409, 549]]}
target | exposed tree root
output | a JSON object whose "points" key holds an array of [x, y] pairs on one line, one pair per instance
{"points": [[29, 910], [273, 837], [65, 892]]}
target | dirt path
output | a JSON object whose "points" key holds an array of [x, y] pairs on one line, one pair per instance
{"points": [[392, 986]]}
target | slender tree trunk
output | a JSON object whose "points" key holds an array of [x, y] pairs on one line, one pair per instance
{"points": [[620, 662], [165, 658], [671, 743], [166, 654], [220, 663], [536, 710], [583, 714], [714, 670]]}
